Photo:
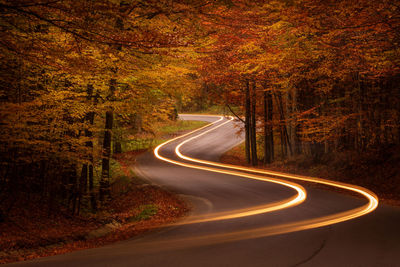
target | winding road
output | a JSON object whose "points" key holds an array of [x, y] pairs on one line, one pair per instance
{"points": [[248, 217]]}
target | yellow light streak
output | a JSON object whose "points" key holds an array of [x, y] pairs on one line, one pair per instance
{"points": [[292, 201], [268, 230], [307, 224], [257, 232]]}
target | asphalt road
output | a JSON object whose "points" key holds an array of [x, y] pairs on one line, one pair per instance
{"points": [[255, 240]]}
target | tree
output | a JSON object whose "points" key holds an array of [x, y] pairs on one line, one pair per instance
{"points": [[65, 57]]}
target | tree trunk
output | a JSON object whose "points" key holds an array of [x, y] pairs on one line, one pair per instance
{"points": [[267, 158], [247, 122], [253, 128], [87, 168], [271, 128], [288, 116], [359, 139], [93, 197], [295, 140], [82, 186], [268, 130], [285, 142], [105, 167], [117, 147]]}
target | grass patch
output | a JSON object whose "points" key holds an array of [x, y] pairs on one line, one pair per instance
{"points": [[116, 171], [140, 143], [147, 211], [162, 132]]}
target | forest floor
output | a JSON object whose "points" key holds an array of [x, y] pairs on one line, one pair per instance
{"points": [[31, 231], [379, 171]]}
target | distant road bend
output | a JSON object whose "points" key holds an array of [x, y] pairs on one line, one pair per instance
{"points": [[248, 217]]}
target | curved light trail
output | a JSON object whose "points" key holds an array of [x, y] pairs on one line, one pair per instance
{"points": [[370, 196], [292, 201], [268, 230]]}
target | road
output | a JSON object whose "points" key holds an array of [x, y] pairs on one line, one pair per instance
{"points": [[242, 218]]}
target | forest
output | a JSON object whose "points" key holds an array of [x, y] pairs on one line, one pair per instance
{"points": [[80, 80]]}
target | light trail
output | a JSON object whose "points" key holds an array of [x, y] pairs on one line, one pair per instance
{"points": [[313, 223], [259, 232], [268, 230], [292, 201]]}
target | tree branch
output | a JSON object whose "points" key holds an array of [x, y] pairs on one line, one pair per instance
{"points": [[229, 107]]}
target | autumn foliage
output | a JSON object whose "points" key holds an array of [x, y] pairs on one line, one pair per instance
{"points": [[319, 76], [78, 78], [311, 78]]}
